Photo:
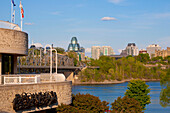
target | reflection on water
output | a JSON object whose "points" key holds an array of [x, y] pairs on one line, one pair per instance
{"points": [[112, 91]]}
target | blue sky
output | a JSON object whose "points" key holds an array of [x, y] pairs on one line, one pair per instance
{"points": [[112, 23]]}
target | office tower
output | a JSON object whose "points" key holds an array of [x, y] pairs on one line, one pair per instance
{"points": [[132, 49], [152, 48], [98, 51], [106, 50], [95, 52]]}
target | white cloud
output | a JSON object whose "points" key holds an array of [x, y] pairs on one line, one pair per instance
{"points": [[115, 1], [88, 50], [28, 23], [108, 18]]}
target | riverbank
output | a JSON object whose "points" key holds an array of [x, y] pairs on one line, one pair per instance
{"points": [[111, 82]]}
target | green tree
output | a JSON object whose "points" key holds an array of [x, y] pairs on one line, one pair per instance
{"points": [[144, 58], [138, 90], [60, 50], [112, 73], [165, 92], [124, 68], [158, 58], [74, 56], [126, 105]]}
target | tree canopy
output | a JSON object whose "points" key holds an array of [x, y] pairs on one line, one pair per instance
{"points": [[124, 68], [126, 105], [138, 90], [165, 93]]}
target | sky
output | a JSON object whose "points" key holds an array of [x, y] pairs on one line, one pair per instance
{"points": [[112, 23]]}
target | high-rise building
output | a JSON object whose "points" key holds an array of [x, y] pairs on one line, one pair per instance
{"points": [[95, 52], [98, 51], [152, 48], [106, 50], [132, 49]]}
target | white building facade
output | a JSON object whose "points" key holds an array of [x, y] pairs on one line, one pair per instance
{"points": [[98, 51], [152, 48], [132, 49]]}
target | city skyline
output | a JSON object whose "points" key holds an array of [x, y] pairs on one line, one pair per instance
{"points": [[95, 23]]}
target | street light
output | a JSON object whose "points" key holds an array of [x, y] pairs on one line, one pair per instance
{"points": [[58, 77], [48, 45], [55, 60]]}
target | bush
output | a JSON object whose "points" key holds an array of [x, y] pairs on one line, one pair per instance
{"points": [[138, 90], [126, 105], [84, 103]]}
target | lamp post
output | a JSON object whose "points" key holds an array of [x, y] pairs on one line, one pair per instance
{"points": [[48, 45], [55, 60]]}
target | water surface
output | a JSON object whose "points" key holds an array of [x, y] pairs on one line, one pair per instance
{"points": [[110, 92]]}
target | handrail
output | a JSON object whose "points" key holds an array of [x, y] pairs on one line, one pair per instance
{"points": [[21, 80]]}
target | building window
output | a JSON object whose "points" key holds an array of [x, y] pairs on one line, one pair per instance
{"points": [[7, 64]]}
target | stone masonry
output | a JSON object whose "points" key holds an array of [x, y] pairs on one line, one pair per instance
{"points": [[13, 42], [7, 93]]}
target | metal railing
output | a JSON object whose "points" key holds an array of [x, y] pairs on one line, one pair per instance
{"points": [[21, 80]]}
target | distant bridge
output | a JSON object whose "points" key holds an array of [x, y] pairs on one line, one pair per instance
{"points": [[66, 70], [38, 61]]}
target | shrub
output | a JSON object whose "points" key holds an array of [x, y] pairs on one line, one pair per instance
{"points": [[89, 103], [84, 103], [126, 105]]}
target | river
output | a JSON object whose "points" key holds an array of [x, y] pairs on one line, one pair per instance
{"points": [[110, 92]]}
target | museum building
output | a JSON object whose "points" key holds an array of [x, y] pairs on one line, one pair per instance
{"points": [[13, 43]]}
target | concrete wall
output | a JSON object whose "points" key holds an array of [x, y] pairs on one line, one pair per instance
{"points": [[13, 42], [0, 66], [7, 93]]}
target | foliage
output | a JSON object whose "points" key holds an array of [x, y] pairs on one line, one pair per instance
{"points": [[60, 50], [165, 93], [158, 58], [167, 59], [68, 109], [74, 56], [85, 103], [138, 90], [89, 102], [124, 68], [126, 105], [144, 58]]}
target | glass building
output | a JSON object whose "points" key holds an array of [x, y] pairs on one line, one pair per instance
{"points": [[74, 45]]}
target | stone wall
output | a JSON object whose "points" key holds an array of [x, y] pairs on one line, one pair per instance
{"points": [[7, 93], [13, 42]]}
